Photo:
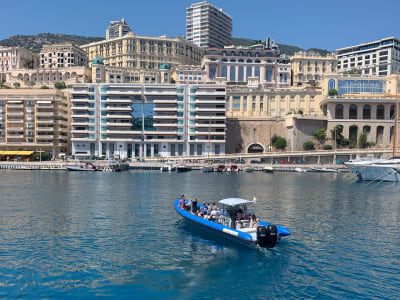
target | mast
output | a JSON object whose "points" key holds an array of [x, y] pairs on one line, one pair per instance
{"points": [[396, 121]]}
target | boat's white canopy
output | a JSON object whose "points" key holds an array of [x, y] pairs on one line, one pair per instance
{"points": [[234, 201]]}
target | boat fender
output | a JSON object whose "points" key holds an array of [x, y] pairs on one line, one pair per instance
{"points": [[267, 236]]}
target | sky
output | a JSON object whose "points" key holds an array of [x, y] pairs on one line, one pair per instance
{"points": [[305, 23]]}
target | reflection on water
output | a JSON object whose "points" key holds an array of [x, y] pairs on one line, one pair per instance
{"points": [[70, 234]]}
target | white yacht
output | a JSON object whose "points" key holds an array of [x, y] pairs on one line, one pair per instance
{"points": [[376, 170]]}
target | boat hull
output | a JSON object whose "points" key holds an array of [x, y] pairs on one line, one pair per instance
{"points": [[375, 172], [78, 169], [227, 232]]}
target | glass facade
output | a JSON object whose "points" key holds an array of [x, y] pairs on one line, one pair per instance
{"points": [[360, 86]]}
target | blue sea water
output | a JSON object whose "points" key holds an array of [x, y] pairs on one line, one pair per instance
{"points": [[77, 235]]}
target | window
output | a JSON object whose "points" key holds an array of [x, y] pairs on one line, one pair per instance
{"points": [[353, 111], [339, 111], [380, 112], [367, 112]]}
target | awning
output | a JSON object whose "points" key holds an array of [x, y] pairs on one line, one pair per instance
{"points": [[22, 153], [234, 201]]}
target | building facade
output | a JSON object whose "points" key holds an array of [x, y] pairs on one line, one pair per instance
{"points": [[309, 67], [188, 74], [208, 26], [133, 120], [363, 104], [117, 29], [258, 64], [12, 58], [35, 120], [249, 102], [62, 56], [377, 58], [144, 52]]}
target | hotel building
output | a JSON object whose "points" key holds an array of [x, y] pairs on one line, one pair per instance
{"points": [[144, 52], [34, 120], [309, 67], [258, 64], [375, 58], [188, 74], [134, 120], [208, 26]]}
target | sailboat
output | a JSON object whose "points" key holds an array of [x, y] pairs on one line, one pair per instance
{"points": [[380, 169], [208, 168]]}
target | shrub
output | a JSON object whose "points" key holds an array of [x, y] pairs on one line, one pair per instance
{"points": [[327, 147], [45, 87], [279, 142], [300, 112], [332, 92], [43, 156], [363, 140], [60, 85], [309, 145], [17, 85], [320, 135]]}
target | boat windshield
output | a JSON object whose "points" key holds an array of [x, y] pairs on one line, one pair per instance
{"points": [[235, 202]]}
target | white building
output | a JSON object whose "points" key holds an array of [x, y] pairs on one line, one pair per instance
{"points": [[134, 120], [380, 57], [208, 26], [12, 58], [117, 29]]}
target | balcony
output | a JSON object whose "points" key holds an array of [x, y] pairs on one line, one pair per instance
{"points": [[200, 109], [42, 137], [201, 92], [172, 108], [80, 107], [119, 116], [45, 121], [44, 129], [81, 100], [165, 117], [15, 113], [166, 101], [166, 124], [210, 117], [45, 114], [133, 132], [119, 124], [210, 125], [15, 121], [211, 101], [82, 116], [161, 92], [211, 133], [128, 101], [113, 108], [80, 123], [162, 132], [15, 128], [15, 106], [79, 131]]}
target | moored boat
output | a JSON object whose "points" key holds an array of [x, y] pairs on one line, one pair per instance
{"points": [[324, 170], [183, 168], [268, 169], [208, 169], [88, 167], [225, 222], [376, 170], [248, 170]]}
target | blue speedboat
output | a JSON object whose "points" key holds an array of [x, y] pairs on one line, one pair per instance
{"points": [[226, 223]]}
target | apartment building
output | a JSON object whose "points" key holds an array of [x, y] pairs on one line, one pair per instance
{"points": [[208, 26], [12, 58], [34, 120], [144, 52], [377, 58], [146, 120], [309, 67], [117, 29], [62, 56], [188, 74], [259, 64]]}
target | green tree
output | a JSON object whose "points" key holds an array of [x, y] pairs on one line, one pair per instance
{"points": [[337, 135], [332, 92], [309, 145], [320, 135], [279, 142], [60, 85], [363, 140], [16, 85]]}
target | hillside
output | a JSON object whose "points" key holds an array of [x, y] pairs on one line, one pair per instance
{"points": [[285, 49], [35, 42]]}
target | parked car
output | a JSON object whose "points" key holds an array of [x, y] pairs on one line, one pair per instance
{"points": [[254, 161], [286, 162]]}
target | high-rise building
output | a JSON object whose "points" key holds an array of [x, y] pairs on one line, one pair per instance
{"points": [[34, 120], [375, 58], [208, 26], [147, 120], [117, 29]]}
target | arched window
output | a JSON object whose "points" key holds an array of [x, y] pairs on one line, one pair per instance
{"points": [[232, 53], [97, 72], [224, 60], [353, 134], [249, 61], [248, 53], [257, 54], [249, 72], [331, 84], [240, 61], [257, 61], [240, 53], [392, 110], [224, 71], [240, 74], [268, 74], [232, 60], [232, 76], [339, 111], [353, 111], [367, 112], [380, 112], [223, 53], [325, 110], [257, 72], [379, 134]]}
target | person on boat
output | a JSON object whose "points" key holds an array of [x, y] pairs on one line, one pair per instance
{"points": [[181, 203], [254, 221], [247, 213], [240, 215], [194, 205]]}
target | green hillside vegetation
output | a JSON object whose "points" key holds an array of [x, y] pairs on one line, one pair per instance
{"points": [[35, 42], [285, 49]]}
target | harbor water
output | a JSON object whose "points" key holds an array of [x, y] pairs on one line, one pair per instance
{"points": [[71, 234]]}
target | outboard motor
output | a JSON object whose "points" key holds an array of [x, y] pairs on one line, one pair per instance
{"points": [[267, 236]]}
